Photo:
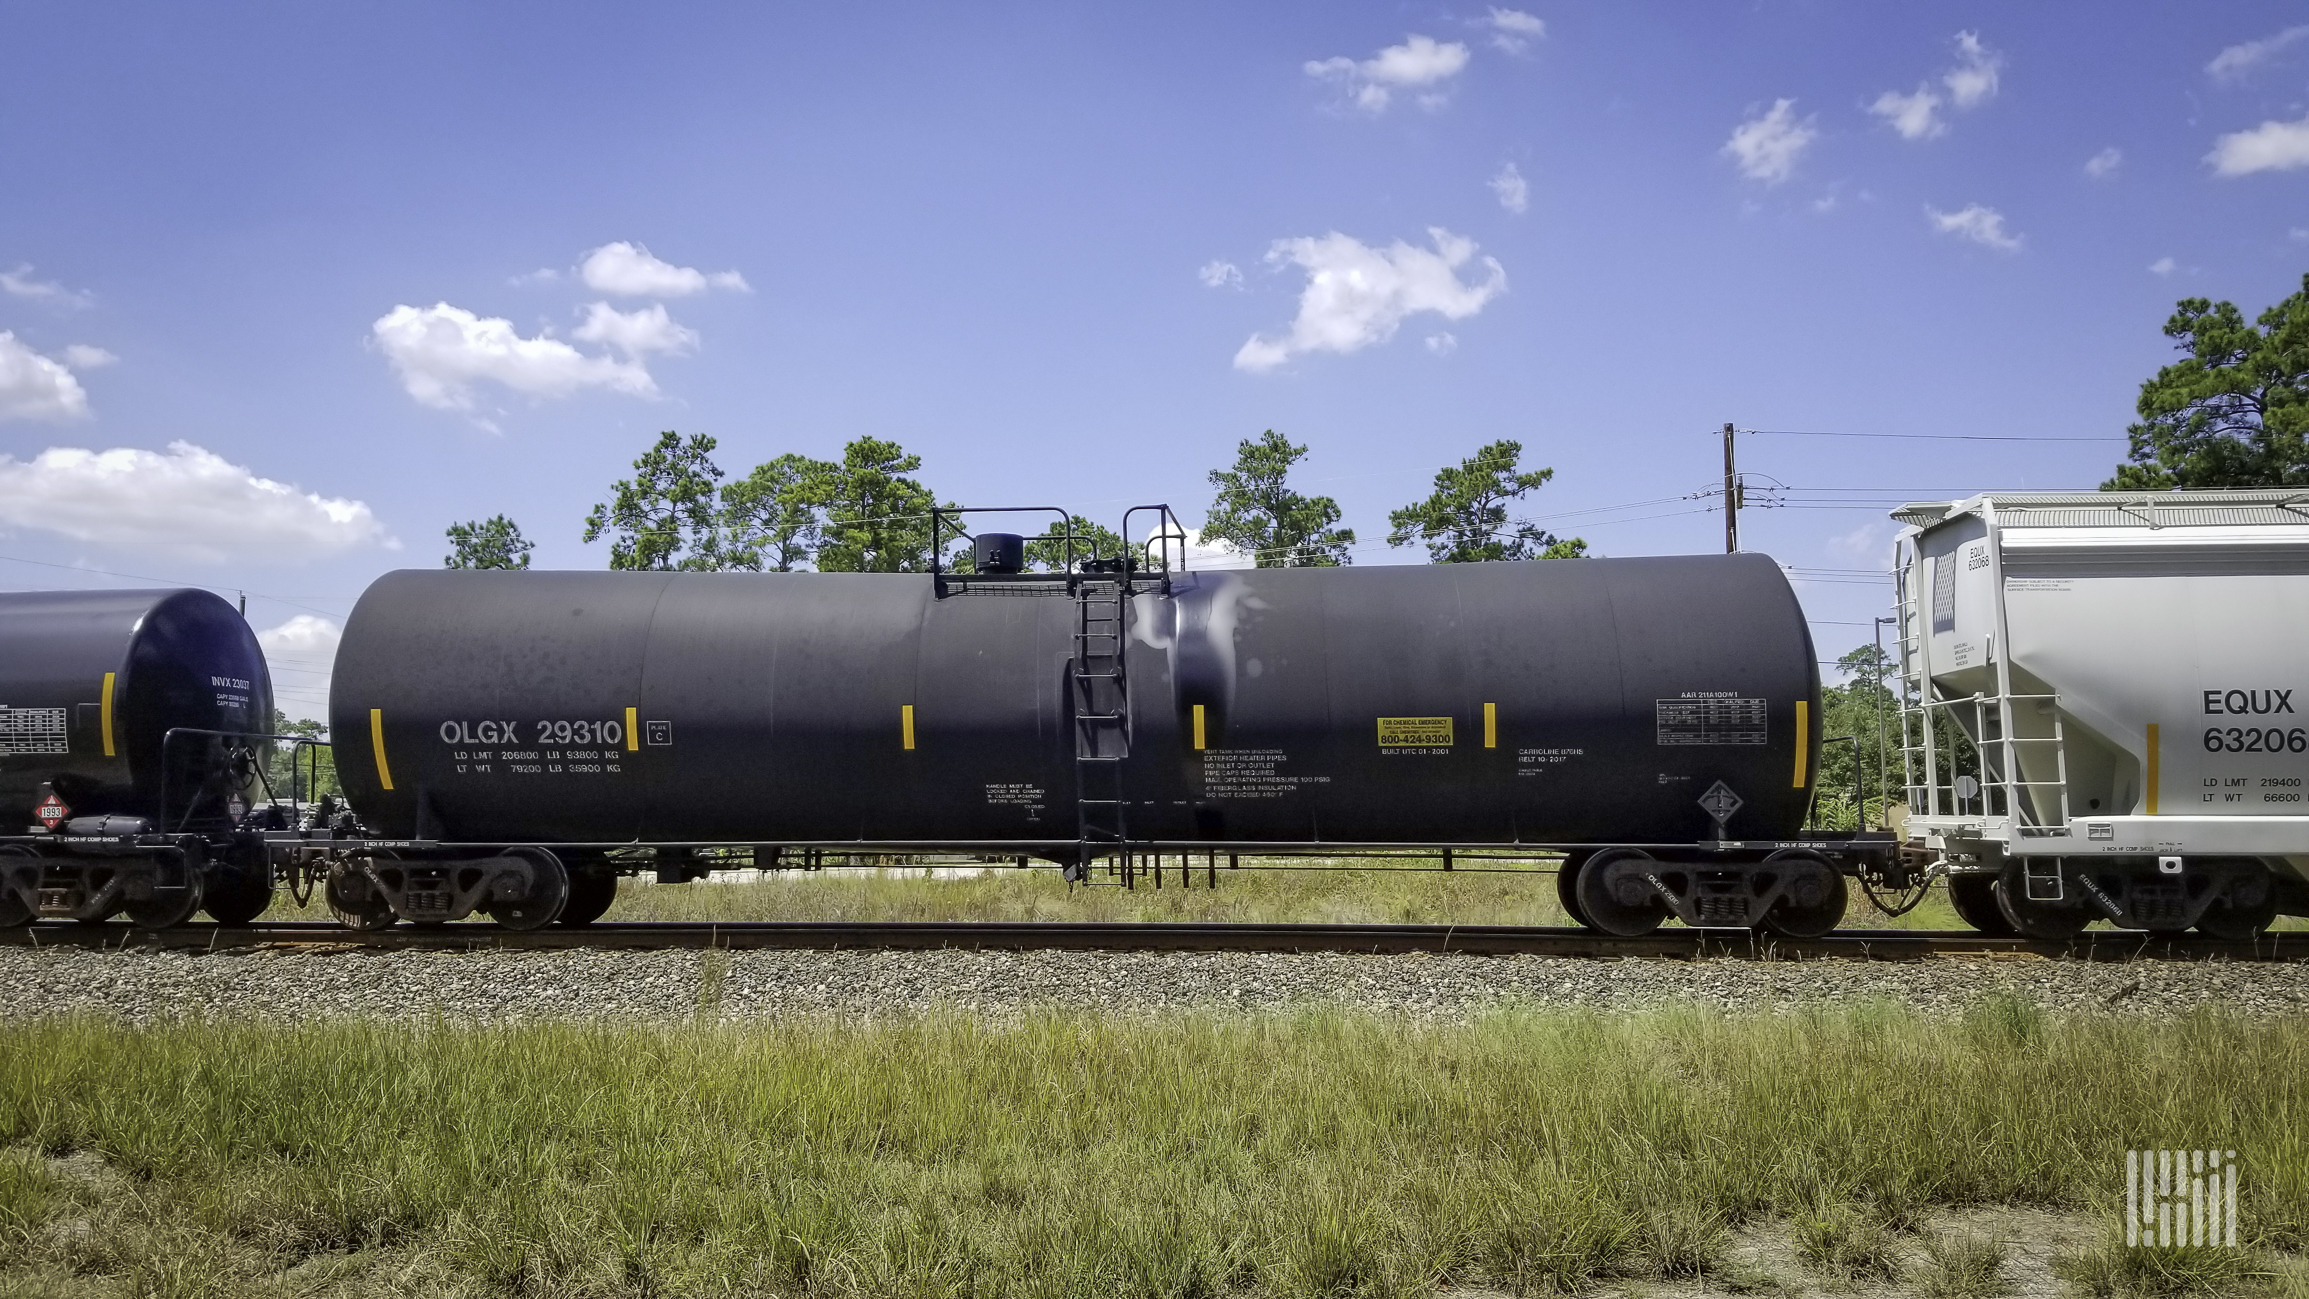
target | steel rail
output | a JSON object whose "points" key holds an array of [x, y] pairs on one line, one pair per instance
{"points": [[1490, 940]]}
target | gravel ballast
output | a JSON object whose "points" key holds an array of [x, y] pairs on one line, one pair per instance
{"points": [[685, 985]]}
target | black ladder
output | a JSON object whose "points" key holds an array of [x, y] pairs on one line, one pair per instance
{"points": [[1101, 724]]}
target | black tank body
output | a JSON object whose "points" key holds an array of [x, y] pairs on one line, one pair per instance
{"points": [[91, 682], [1543, 702]]}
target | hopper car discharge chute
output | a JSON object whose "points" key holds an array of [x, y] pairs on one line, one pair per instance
{"points": [[2105, 709]]}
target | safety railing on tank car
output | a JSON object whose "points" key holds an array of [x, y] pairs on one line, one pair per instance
{"points": [[947, 516], [298, 744], [1164, 551], [1167, 529]]}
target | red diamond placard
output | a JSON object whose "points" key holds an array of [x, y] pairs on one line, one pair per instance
{"points": [[52, 811]]}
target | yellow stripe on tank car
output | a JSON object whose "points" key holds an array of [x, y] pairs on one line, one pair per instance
{"points": [[632, 732], [2152, 781], [1198, 727], [104, 711], [1803, 739], [906, 725], [1491, 726], [377, 745]]}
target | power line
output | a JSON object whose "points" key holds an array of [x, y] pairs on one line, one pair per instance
{"points": [[1923, 437]]}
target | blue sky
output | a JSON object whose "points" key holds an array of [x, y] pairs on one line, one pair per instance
{"points": [[288, 289]]}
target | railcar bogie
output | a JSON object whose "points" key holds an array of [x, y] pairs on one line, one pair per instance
{"points": [[2054, 898], [1630, 891]]}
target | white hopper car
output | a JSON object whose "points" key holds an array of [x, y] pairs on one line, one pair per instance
{"points": [[2105, 707]]}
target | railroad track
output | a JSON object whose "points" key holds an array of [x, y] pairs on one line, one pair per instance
{"points": [[1497, 940]]}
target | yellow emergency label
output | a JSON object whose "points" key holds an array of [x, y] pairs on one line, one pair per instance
{"points": [[1414, 732]]}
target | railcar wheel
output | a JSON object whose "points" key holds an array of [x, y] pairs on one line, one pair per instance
{"points": [[1615, 897], [1974, 897], [548, 892], [170, 908], [2237, 921], [2237, 924], [1567, 887], [2037, 920], [1814, 901], [238, 895], [355, 902], [591, 891], [15, 908]]}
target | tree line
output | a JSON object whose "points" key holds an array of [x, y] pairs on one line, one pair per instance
{"points": [[869, 512]]}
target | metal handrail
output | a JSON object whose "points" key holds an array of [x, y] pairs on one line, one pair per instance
{"points": [[297, 744], [939, 522]]}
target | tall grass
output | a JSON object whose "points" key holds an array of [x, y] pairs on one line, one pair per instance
{"points": [[1305, 892], [1313, 1154]]}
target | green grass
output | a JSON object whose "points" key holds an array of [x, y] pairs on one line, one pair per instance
{"points": [[1305, 893], [1302, 1155], [1960, 1265]]}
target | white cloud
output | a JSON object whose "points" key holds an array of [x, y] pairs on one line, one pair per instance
{"points": [[441, 351], [20, 284], [2271, 146], [1982, 225], [1200, 554], [188, 502], [1869, 542], [2298, 234], [635, 333], [1916, 117], [1418, 63], [303, 635], [34, 387], [1972, 82], [2161, 266], [302, 655], [2104, 163], [1443, 344], [2237, 60], [1513, 190], [542, 275], [88, 358], [1513, 30], [1768, 146], [1357, 295], [629, 270], [1219, 275]]}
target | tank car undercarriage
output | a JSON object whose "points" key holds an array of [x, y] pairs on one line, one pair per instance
{"points": [[90, 874], [157, 881]]}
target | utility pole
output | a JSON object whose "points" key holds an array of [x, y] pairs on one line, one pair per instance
{"points": [[1731, 498]]}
